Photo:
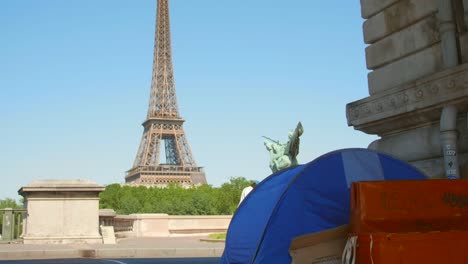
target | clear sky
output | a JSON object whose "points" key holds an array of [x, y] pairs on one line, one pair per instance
{"points": [[75, 80]]}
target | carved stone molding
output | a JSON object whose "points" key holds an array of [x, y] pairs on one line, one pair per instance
{"points": [[410, 105]]}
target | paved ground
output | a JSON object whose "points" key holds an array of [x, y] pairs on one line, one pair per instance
{"points": [[119, 261], [162, 248]]}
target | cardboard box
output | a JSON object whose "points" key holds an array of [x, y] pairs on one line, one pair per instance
{"points": [[321, 247], [409, 206], [410, 248]]}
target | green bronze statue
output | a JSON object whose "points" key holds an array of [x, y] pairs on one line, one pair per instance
{"points": [[283, 155]]}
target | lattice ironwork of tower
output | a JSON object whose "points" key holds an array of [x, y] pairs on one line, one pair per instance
{"points": [[163, 125]]}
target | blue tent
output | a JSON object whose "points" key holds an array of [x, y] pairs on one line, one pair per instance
{"points": [[304, 199]]}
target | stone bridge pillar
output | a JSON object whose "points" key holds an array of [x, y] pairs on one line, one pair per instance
{"points": [[414, 74]]}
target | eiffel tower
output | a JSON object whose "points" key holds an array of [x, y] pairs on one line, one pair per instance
{"points": [[163, 124]]}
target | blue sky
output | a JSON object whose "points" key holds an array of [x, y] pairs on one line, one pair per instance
{"points": [[75, 79]]}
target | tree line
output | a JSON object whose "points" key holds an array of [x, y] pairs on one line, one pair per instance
{"points": [[174, 200], [10, 203]]}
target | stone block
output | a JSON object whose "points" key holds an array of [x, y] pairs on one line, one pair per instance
{"points": [[108, 235], [403, 43], [397, 17], [432, 168], [198, 224], [372, 7], [151, 225], [424, 141], [62, 212], [405, 70]]}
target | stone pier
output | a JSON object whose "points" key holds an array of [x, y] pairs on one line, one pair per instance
{"points": [[61, 212], [417, 53]]}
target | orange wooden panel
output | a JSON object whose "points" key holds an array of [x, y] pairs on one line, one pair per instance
{"points": [[410, 248], [409, 206]]}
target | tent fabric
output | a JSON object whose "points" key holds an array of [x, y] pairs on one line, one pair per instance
{"points": [[248, 223], [304, 199]]}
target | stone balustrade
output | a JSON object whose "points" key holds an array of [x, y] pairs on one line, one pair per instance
{"points": [[11, 223], [161, 225]]}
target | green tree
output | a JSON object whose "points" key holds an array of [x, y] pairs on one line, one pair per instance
{"points": [[110, 198], [10, 203], [175, 200], [229, 195]]}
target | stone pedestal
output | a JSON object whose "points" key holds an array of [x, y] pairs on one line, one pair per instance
{"points": [[61, 212]]}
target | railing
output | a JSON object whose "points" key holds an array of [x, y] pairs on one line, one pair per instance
{"points": [[11, 223], [164, 168], [123, 225], [108, 217]]}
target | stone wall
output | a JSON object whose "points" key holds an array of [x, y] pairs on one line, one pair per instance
{"points": [[410, 81], [404, 43], [198, 224], [161, 225]]}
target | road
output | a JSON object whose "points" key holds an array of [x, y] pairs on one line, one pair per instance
{"points": [[119, 261]]}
